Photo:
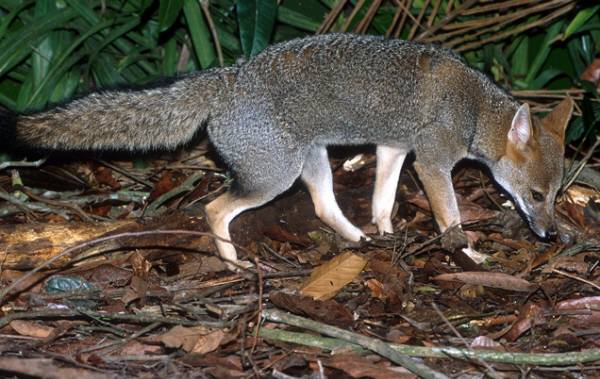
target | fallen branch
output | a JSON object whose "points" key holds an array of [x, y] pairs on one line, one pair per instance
{"points": [[369, 343], [139, 318], [332, 344]]}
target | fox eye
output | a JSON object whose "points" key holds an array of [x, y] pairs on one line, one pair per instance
{"points": [[537, 196]]}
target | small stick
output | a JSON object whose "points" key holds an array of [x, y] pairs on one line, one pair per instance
{"points": [[139, 318], [7, 164], [576, 278]]}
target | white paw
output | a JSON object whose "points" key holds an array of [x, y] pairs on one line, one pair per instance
{"points": [[475, 255], [384, 224], [239, 265]]}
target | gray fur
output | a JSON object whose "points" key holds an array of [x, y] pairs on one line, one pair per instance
{"points": [[146, 119], [329, 89], [268, 115]]}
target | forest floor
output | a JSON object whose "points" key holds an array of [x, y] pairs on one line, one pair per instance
{"points": [[108, 269]]}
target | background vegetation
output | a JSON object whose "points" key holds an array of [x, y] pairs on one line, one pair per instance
{"points": [[50, 50]]}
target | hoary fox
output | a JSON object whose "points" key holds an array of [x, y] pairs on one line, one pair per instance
{"points": [[272, 117]]}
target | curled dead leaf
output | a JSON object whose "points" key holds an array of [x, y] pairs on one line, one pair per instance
{"points": [[197, 339], [326, 280], [31, 329], [489, 279]]}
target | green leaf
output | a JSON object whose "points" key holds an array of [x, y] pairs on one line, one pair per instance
{"points": [[575, 130], [544, 78], [63, 63], [113, 35], [65, 89], [199, 33], [544, 50], [16, 46], [104, 71], [8, 19], [520, 58], [297, 19], [256, 19], [92, 19], [579, 21], [168, 12], [170, 57]]}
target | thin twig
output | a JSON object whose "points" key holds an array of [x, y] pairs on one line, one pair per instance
{"points": [[573, 174], [188, 185], [517, 30], [8, 164], [138, 318], [405, 15], [363, 25], [213, 30], [331, 17], [576, 278], [463, 340], [417, 24], [260, 304], [125, 173], [357, 7]]}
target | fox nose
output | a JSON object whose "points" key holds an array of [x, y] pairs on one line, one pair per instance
{"points": [[551, 233]]}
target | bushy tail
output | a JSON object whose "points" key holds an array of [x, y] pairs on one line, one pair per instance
{"points": [[135, 120]]}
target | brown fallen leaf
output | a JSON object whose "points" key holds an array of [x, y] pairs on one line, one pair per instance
{"points": [[578, 264], [197, 339], [376, 288], [106, 274], [361, 367], [166, 182], [137, 348], [46, 368], [530, 314], [326, 280], [104, 176], [31, 329], [585, 310], [210, 342], [327, 311], [489, 279], [180, 336], [212, 360]]}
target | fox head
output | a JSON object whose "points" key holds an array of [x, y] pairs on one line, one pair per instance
{"points": [[531, 167]]}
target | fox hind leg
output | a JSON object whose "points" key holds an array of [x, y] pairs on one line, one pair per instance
{"points": [[389, 164], [316, 174], [220, 212], [255, 185]]}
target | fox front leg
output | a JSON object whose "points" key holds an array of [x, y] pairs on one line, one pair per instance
{"points": [[437, 183], [389, 164]]}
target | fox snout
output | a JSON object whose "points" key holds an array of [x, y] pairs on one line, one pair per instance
{"points": [[545, 227]]}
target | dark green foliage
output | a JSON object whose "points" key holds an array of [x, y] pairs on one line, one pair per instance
{"points": [[51, 50]]}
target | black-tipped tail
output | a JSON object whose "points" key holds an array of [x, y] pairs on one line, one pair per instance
{"points": [[8, 127]]}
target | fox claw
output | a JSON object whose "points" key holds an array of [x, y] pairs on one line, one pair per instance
{"points": [[454, 238], [384, 225], [239, 265]]}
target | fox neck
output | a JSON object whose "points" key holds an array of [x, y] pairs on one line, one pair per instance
{"points": [[491, 132]]}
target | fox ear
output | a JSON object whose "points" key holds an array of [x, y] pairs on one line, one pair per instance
{"points": [[556, 121], [520, 130]]}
